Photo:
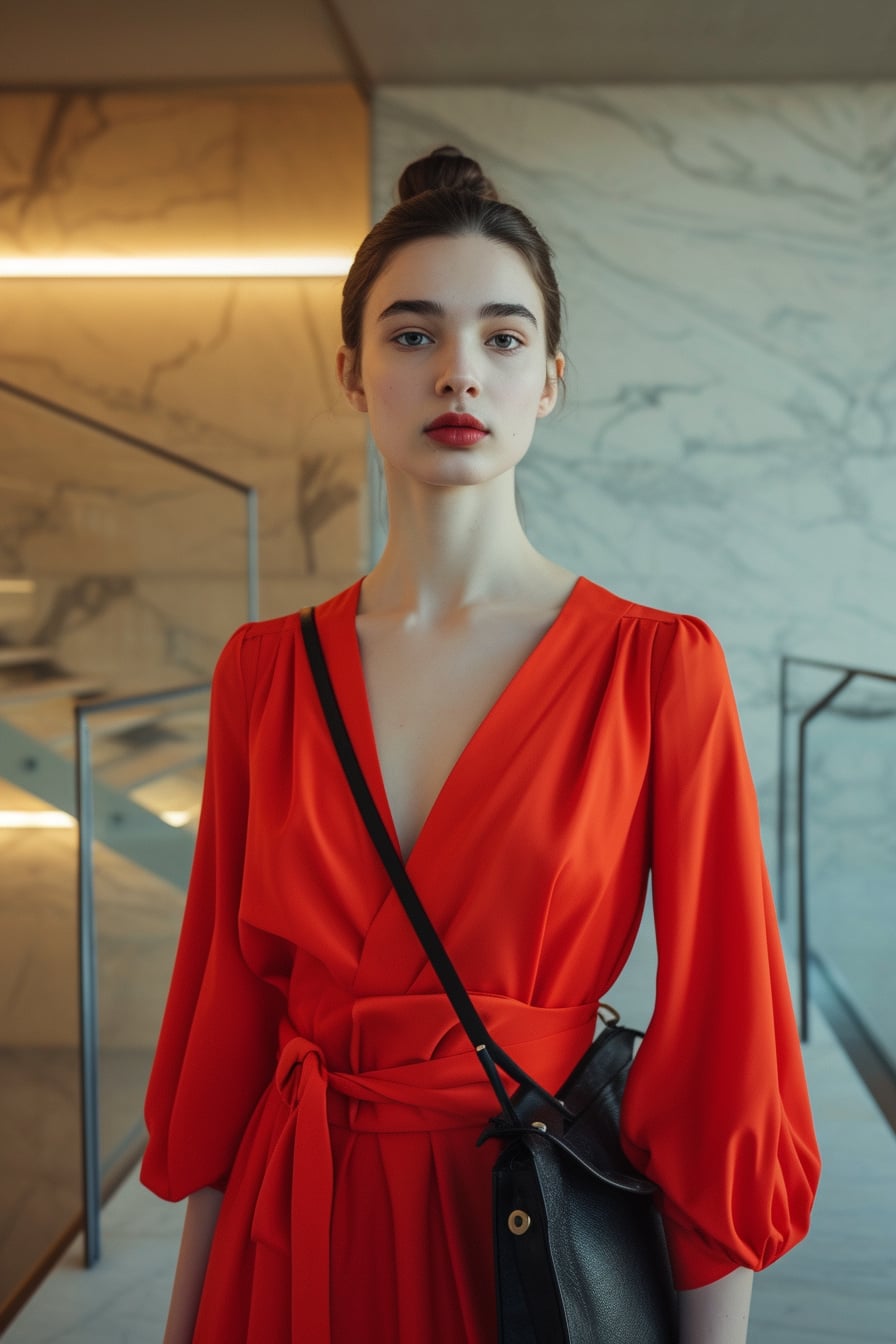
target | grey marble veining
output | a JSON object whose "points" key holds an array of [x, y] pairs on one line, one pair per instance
{"points": [[728, 446]]}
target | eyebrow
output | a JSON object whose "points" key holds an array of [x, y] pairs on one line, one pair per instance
{"points": [[427, 308]]}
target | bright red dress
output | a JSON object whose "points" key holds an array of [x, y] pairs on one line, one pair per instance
{"points": [[309, 1063]]}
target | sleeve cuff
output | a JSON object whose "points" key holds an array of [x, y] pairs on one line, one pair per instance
{"points": [[155, 1175], [694, 1262]]}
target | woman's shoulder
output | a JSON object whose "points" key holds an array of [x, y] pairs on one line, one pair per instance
{"points": [[257, 645], [616, 607], [274, 629], [676, 644], [250, 640]]}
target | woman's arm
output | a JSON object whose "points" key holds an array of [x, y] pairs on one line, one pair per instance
{"points": [[195, 1243], [718, 1313]]}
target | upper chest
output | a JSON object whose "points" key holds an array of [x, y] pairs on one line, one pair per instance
{"points": [[429, 690]]}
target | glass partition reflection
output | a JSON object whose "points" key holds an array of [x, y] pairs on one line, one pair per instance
{"points": [[851, 850], [148, 765], [132, 568], [40, 1157], [122, 571], [836, 886]]}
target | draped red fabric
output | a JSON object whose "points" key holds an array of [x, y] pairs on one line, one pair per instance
{"points": [[309, 1063]]}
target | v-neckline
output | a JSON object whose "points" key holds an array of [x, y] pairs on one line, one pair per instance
{"points": [[369, 751]]}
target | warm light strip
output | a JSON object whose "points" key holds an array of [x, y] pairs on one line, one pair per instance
{"points": [[61, 821], [43, 821], [172, 268]]}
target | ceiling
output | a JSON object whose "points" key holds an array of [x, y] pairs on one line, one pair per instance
{"points": [[372, 42]]}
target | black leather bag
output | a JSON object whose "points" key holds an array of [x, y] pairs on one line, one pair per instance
{"points": [[580, 1254]]}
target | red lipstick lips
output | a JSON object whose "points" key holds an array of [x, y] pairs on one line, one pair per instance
{"points": [[455, 430]]}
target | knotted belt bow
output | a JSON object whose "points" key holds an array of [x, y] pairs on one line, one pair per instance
{"points": [[295, 1200]]}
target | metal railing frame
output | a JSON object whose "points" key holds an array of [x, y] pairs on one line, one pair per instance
{"points": [[846, 676], [88, 996]]}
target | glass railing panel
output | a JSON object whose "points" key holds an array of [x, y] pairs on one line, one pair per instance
{"points": [[851, 850], [148, 766], [805, 686], [132, 567], [122, 570], [40, 1157]]}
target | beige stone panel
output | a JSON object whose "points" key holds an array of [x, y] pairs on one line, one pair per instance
{"points": [[305, 179], [167, 632], [99, 524], [38, 949], [138, 567], [127, 635], [246, 389], [138, 919], [71, 502], [217, 170], [138, 564], [221, 371]]}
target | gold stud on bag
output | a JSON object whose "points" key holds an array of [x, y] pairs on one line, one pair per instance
{"points": [[519, 1222]]}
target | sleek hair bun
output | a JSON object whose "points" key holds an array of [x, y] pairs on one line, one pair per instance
{"points": [[445, 167], [447, 195]]}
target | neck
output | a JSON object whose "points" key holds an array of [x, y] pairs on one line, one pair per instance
{"points": [[450, 546]]}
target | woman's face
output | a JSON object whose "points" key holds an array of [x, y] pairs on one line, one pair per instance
{"points": [[453, 327]]}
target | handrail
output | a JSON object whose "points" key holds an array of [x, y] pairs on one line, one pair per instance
{"points": [[112, 432], [166, 455], [91, 1178], [847, 676]]}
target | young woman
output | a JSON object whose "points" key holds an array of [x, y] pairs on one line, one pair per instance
{"points": [[537, 744]]}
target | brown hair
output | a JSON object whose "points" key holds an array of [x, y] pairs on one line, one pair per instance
{"points": [[446, 195]]}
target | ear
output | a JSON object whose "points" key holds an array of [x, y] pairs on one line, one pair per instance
{"points": [[548, 399], [348, 372]]}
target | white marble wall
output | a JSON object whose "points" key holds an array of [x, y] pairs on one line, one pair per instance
{"points": [[728, 446]]}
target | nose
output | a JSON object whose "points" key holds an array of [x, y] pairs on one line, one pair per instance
{"points": [[458, 376]]}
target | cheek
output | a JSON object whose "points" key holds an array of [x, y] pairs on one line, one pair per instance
{"points": [[391, 386], [388, 406], [387, 392]]}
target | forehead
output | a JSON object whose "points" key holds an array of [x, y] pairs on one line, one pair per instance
{"points": [[462, 274]]}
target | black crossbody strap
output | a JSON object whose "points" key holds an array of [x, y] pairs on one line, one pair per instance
{"points": [[487, 1049]]}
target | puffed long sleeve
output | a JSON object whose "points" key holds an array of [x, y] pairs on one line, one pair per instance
{"points": [[217, 1043], [716, 1109]]}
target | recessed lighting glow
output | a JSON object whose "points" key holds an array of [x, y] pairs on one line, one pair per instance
{"points": [[173, 268], [176, 818]]}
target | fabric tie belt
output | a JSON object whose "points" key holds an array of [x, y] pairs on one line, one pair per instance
{"points": [[295, 1200]]}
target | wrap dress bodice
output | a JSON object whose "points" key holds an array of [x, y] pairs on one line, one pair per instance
{"points": [[309, 1064]]}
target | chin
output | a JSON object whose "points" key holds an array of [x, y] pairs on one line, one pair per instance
{"points": [[455, 466], [464, 473]]}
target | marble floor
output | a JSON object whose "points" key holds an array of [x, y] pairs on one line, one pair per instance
{"points": [[838, 1286]]}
